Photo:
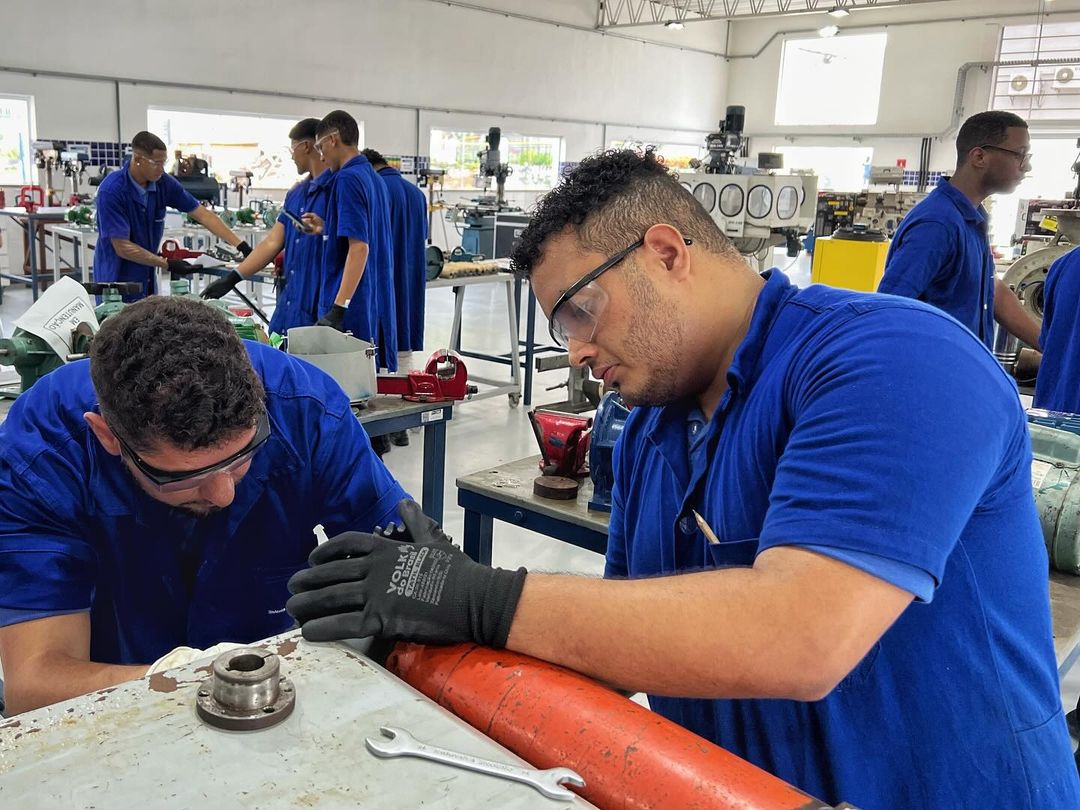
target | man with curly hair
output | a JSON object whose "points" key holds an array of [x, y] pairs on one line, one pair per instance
{"points": [[824, 554], [155, 499]]}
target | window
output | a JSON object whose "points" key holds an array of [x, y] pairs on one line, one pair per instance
{"points": [[229, 141], [830, 81], [676, 156], [15, 151], [839, 168], [1050, 92], [534, 159]]}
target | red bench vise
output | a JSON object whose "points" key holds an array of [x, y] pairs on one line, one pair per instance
{"points": [[171, 250], [564, 442], [443, 378]]}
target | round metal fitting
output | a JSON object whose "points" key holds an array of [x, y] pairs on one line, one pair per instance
{"points": [[246, 691]]}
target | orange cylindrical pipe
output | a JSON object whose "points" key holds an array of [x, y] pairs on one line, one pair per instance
{"points": [[631, 758]]}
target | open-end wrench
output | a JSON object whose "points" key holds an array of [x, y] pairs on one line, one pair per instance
{"points": [[397, 742]]}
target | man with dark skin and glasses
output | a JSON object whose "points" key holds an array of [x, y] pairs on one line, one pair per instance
{"points": [[156, 498]]}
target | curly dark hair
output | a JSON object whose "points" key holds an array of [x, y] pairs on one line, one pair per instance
{"points": [[172, 369], [611, 199], [374, 158]]}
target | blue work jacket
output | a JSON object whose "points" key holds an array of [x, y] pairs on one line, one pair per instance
{"points": [[359, 209], [876, 425], [298, 301], [940, 254], [1057, 388], [409, 226], [125, 213], [77, 533]]}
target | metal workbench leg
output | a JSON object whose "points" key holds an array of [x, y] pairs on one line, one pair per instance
{"points": [[31, 233], [455, 327], [530, 345], [477, 540], [431, 498], [515, 348], [56, 257]]}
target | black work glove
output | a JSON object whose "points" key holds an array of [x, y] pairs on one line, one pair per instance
{"points": [[244, 248], [180, 267], [426, 590], [223, 285], [335, 318]]}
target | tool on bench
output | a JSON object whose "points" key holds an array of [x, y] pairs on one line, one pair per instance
{"points": [[564, 452], [397, 742], [444, 378]]}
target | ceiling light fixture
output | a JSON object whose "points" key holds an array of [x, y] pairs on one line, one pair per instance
{"points": [[828, 31], [838, 12], [674, 25]]}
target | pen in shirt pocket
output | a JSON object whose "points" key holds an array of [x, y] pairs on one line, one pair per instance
{"points": [[706, 530]]}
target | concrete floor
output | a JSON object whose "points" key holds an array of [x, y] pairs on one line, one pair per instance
{"points": [[489, 432]]}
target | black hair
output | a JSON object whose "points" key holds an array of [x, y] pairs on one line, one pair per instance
{"points": [[173, 370], [345, 124], [985, 129], [611, 200], [304, 130], [374, 158], [148, 143]]}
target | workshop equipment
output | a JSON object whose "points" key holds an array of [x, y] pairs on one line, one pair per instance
{"points": [[349, 360], [112, 295], [492, 225], [397, 742], [443, 378], [564, 442], [629, 757], [245, 216], [245, 691], [852, 258], [172, 250], [582, 393], [193, 173], [80, 215], [33, 358], [608, 424], [239, 318], [434, 259], [47, 159], [1055, 480], [31, 198]]}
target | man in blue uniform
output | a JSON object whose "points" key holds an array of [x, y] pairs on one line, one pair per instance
{"points": [[823, 554], [160, 495], [940, 254], [299, 291], [131, 218], [358, 256], [1057, 387]]}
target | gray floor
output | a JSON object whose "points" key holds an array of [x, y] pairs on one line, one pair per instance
{"points": [[490, 432]]}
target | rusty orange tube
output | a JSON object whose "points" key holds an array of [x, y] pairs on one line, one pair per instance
{"points": [[631, 758]]}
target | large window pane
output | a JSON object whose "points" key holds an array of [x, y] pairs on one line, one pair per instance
{"points": [[15, 151], [676, 156], [834, 80], [533, 158], [839, 168]]}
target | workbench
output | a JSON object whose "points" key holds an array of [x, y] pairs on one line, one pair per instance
{"points": [[505, 493], [141, 744], [33, 227]]}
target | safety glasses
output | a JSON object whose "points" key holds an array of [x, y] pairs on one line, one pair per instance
{"points": [[1022, 157], [171, 481], [577, 311], [318, 141]]}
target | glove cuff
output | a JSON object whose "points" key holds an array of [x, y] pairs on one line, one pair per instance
{"points": [[491, 623], [233, 278]]}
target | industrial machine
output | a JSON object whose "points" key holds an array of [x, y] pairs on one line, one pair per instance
{"points": [[491, 225], [1055, 481], [193, 173], [852, 258], [607, 427], [47, 159], [755, 208], [443, 378]]}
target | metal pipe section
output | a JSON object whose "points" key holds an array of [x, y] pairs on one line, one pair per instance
{"points": [[630, 757]]}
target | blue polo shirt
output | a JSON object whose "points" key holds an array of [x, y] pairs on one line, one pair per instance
{"points": [[409, 227], [360, 209], [77, 533], [125, 210], [872, 425], [940, 254], [298, 302], [1057, 388]]}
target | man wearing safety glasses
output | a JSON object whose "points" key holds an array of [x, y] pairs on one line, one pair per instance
{"points": [[155, 499], [823, 552], [941, 253]]}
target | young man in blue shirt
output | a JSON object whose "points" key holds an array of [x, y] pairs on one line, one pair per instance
{"points": [[299, 291], [862, 609], [131, 206], [1057, 387], [158, 496], [358, 254], [940, 254]]}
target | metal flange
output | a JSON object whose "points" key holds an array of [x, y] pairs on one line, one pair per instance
{"points": [[246, 691]]}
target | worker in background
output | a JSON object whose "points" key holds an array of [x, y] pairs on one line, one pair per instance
{"points": [[823, 552], [157, 497], [358, 256], [131, 218], [941, 251], [299, 291], [1057, 388], [409, 229]]}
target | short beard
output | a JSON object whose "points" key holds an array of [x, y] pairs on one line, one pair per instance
{"points": [[656, 336]]}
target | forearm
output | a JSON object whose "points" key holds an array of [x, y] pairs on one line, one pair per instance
{"points": [[261, 255], [355, 263], [129, 251], [1010, 313], [54, 676]]}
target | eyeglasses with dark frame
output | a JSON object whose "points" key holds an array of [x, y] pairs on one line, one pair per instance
{"points": [[578, 319], [1023, 157], [172, 481]]}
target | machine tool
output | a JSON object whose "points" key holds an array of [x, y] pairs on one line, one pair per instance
{"points": [[74, 163], [492, 226], [82, 215], [47, 159], [33, 358], [239, 182], [443, 378], [1055, 481], [607, 427], [193, 173]]}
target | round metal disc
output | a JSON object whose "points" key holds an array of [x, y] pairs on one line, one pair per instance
{"points": [[221, 716], [556, 487]]}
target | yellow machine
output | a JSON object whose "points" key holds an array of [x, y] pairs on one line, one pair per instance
{"points": [[851, 259]]}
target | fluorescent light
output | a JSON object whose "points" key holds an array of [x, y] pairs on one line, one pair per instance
{"points": [[828, 31], [838, 12], [674, 25]]}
